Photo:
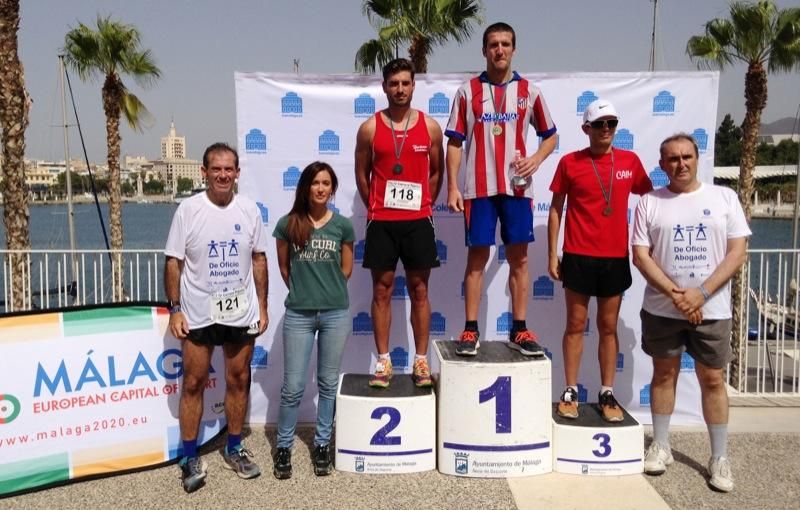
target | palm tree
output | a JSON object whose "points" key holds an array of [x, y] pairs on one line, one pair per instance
{"points": [[767, 40], [111, 51], [422, 24], [14, 106]]}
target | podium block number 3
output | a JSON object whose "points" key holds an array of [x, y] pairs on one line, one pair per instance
{"points": [[381, 437], [603, 444], [500, 391]]}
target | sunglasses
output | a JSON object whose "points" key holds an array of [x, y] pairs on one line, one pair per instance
{"points": [[600, 124]]}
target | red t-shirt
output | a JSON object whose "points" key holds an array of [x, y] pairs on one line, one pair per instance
{"points": [[415, 159], [587, 230]]}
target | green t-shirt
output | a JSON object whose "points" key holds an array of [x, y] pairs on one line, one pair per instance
{"points": [[316, 281]]}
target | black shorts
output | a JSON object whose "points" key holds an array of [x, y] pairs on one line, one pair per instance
{"points": [[412, 241], [596, 276], [219, 334]]}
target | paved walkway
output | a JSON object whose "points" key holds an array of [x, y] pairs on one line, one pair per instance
{"points": [[763, 447]]}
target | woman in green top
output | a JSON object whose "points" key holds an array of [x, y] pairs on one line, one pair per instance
{"points": [[315, 256]]}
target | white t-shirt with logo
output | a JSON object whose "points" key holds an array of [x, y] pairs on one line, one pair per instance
{"points": [[216, 245], [688, 235]]}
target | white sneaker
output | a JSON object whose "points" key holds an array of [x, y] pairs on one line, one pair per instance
{"points": [[719, 469], [657, 458]]}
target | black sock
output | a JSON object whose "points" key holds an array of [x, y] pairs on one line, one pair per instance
{"points": [[518, 326], [470, 325]]}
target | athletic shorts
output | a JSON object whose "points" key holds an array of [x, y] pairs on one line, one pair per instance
{"points": [[709, 342], [218, 334], [411, 241], [481, 215], [596, 276]]}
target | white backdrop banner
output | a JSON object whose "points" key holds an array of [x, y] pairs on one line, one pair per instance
{"points": [[286, 121]]}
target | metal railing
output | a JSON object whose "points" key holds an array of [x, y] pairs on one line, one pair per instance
{"points": [[769, 352], [60, 278]]}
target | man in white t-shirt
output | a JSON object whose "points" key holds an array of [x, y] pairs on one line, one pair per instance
{"points": [[689, 239], [215, 279]]}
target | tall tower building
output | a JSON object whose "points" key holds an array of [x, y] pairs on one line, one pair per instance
{"points": [[173, 146]]}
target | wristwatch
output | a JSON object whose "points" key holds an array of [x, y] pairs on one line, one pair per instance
{"points": [[174, 306]]}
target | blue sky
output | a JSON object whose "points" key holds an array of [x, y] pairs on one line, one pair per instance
{"points": [[200, 44]]}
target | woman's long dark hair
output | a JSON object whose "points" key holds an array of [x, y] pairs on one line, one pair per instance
{"points": [[299, 225]]}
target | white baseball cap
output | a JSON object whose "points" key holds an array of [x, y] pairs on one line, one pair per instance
{"points": [[598, 109]]}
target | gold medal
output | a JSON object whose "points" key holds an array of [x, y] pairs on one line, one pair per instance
{"points": [[497, 130], [398, 169], [607, 211]]}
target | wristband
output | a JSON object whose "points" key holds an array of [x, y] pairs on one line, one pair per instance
{"points": [[175, 309], [704, 292]]}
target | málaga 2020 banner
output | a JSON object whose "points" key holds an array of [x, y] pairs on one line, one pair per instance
{"points": [[92, 391]]}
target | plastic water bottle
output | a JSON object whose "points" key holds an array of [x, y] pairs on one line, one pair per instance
{"points": [[519, 182]]}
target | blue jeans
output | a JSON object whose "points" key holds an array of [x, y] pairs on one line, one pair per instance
{"points": [[299, 328]]}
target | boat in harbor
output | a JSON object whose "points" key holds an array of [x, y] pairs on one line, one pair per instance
{"points": [[180, 197], [780, 319]]}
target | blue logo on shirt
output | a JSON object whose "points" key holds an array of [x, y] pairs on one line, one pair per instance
{"points": [[291, 105], [363, 105], [439, 105], [328, 142], [584, 100], [543, 288], [664, 103], [255, 142]]}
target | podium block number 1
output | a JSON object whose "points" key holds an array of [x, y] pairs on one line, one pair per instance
{"points": [[500, 391], [380, 437]]}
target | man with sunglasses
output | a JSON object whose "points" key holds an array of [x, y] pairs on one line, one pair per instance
{"points": [[491, 112], [398, 167], [595, 182]]}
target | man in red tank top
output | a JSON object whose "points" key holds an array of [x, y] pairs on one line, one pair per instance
{"points": [[398, 164]]}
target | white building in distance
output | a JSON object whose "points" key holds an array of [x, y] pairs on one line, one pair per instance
{"points": [[172, 145]]}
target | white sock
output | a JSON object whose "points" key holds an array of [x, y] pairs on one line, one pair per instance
{"points": [[604, 389]]}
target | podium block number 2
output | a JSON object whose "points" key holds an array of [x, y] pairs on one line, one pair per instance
{"points": [[381, 437], [500, 391]]}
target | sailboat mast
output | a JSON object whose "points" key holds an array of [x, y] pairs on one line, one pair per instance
{"points": [[653, 37], [70, 211]]}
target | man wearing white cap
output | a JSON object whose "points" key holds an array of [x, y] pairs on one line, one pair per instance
{"points": [[595, 182]]}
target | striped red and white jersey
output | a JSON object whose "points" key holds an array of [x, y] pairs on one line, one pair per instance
{"points": [[517, 104]]}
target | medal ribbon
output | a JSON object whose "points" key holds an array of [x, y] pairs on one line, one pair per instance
{"points": [[606, 196], [399, 150], [502, 99]]}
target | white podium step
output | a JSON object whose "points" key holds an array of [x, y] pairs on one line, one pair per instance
{"points": [[589, 445], [494, 412], [384, 431]]}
